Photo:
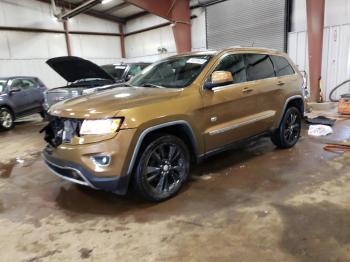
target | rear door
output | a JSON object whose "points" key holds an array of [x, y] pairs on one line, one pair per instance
{"points": [[261, 73], [230, 110]]}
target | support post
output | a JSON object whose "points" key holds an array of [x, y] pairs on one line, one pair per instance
{"points": [[67, 36], [315, 23], [122, 40], [177, 12]]}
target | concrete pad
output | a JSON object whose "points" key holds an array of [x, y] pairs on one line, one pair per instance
{"points": [[260, 204]]}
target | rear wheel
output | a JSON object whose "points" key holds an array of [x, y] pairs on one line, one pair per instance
{"points": [[162, 169], [288, 133], [6, 119]]}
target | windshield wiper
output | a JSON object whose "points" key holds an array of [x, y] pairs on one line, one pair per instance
{"points": [[150, 85]]}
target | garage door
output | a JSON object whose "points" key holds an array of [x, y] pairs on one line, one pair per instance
{"points": [[247, 23]]}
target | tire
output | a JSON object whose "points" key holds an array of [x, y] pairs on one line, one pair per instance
{"points": [[162, 169], [7, 120], [44, 115], [288, 133]]}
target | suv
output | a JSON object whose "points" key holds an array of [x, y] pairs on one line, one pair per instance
{"points": [[125, 71], [179, 111], [19, 96]]}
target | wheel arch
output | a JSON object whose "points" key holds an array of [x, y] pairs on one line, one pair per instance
{"points": [[180, 128], [296, 101], [10, 109]]}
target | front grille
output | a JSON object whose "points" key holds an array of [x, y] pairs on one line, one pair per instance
{"points": [[61, 130], [52, 97]]}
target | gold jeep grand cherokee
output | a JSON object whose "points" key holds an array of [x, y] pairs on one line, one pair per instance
{"points": [[178, 111]]}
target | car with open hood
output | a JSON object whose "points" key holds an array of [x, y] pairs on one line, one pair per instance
{"points": [[20, 96], [82, 76], [177, 112]]}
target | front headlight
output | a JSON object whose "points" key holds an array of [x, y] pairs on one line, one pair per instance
{"points": [[101, 126]]}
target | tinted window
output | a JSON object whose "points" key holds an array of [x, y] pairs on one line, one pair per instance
{"points": [[282, 66], [134, 70], [174, 72], [27, 84], [16, 83], [117, 71], [235, 65], [259, 67]]}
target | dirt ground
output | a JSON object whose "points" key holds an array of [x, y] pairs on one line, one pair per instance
{"points": [[254, 203]]}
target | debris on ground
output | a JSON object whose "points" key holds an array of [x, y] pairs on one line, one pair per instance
{"points": [[320, 120], [319, 130], [337, 148]]}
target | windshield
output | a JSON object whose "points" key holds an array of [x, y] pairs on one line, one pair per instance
{"points": [[117, 71], [2, 85], [177, 72]]}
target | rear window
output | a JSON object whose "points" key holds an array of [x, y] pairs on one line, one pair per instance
{"points": [[282, 66], [259, 66]]}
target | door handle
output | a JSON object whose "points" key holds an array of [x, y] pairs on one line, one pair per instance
{"points": [[280, 83], [247, 90]]}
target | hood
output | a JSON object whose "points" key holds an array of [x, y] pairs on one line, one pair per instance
{"points": [[73, 68], [109, 103]]}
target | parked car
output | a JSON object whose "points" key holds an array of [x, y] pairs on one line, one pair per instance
{"points": [[125, 71], [83, 77], [19, 96], [178, 112]]}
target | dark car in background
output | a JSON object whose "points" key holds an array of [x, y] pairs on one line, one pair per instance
{"points": [[19, 96], [82, 76], [125, 71]]}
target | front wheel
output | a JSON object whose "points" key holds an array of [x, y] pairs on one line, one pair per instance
{"points": [[7, 120], [162, 169], [288, 133]]}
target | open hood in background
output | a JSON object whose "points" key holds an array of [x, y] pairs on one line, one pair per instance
{"points": [[73, 68]]}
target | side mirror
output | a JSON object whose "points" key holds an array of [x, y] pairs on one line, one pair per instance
{"points": [[15, 89], [219, 78]]}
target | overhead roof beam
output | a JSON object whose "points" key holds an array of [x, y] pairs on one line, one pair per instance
{"points": [[177, 12]]}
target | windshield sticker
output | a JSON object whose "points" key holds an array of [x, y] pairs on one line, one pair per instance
{"points": [[119, 67], [196, 61]]}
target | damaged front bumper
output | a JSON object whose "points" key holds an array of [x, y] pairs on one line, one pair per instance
{"points": [[75, 173]]}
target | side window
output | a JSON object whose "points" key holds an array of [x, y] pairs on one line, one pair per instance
{"points": [[282, 66], [27, 84], [235, 65], [17, 83], [259, 67], [134, 70]]}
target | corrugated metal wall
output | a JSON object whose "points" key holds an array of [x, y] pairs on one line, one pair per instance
{"points": [[247, 23]]}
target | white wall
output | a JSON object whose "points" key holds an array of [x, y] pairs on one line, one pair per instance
{"points": [[25, 53], [336, 43], [144, 46]]}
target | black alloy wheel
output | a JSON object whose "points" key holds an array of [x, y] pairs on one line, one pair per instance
{"points": [[287, 135], [163, 168]]}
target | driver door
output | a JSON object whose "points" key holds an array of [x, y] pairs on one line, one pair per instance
{"points": [[17, 96], [229, 109]]}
